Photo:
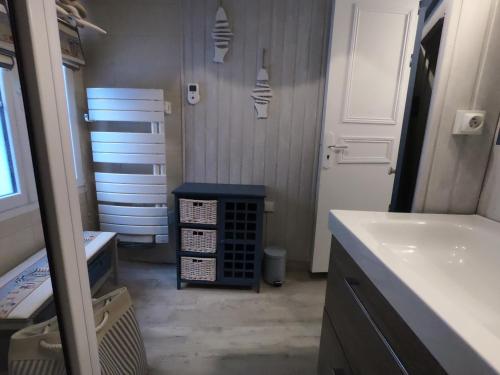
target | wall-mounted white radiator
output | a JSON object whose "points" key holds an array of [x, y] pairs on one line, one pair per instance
{"points": [[130, 203]]}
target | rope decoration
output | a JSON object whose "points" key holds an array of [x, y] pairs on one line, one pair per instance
{"points": [[57, 346]]}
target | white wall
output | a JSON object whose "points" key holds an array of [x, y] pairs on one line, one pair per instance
{"points": [[87, 196], [453, 167], [489, 204], [488, 98], [20, 237], [143, 49]]}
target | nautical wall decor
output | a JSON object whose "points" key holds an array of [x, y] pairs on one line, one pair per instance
{"points": [[262, 93], [221, 34]]}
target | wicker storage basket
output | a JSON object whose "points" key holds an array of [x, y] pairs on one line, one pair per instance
{"points": [[198, 211], [198, 268], [198, 240]]}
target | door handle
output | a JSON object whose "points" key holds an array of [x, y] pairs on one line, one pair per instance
{"points": [[331, 147], [391, 171], [338, 148]]}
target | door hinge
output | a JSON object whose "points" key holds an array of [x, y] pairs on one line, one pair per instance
{"points": [[411, 60]]}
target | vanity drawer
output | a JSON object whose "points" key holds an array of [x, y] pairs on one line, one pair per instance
{"points": [[332, 360], [366, 349], [375, 339]]}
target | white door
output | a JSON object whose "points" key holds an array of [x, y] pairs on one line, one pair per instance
{"points": [[369, 67]]}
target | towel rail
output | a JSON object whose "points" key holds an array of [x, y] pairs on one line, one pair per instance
{"points": [[132, 204]]}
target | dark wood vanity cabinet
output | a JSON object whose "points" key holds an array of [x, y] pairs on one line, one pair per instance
{"points": [[332, 358], [362, 333]]}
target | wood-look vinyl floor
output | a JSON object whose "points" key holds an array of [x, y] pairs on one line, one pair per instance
{"points": [[214, 331]]}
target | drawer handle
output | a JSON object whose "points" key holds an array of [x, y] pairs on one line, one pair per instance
{"points": [[349, 283]]}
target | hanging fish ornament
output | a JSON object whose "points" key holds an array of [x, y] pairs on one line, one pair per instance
{"points": [[262, 93], [222, 35]]}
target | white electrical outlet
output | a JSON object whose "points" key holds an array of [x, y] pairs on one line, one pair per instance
{"points": [[168, 108], [469, 122]]}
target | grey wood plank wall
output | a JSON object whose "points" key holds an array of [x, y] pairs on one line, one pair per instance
{"points": [[224, 141]]}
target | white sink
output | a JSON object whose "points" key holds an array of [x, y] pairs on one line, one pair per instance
{"points": [[440, 272]]}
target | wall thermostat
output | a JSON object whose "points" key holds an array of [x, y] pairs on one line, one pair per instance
{"points": [[193, 94]]}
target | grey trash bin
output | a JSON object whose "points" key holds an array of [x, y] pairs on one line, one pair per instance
{"points": [[274, 265]]}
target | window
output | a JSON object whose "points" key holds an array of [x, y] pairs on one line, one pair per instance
{"points": [[69, 85], [8, 183], [15, 164], [17, 184]]}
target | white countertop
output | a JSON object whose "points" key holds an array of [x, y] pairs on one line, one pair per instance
{"points": [[441, 273]]}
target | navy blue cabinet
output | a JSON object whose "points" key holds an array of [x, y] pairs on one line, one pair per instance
{"points": [[228, 218]]}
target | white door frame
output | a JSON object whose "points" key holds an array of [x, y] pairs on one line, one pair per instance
{"points": [[457, 80], [37, 31], [451, 10]]}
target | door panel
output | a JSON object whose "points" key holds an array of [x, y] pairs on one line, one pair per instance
{"points": [[366, 150], [375, 68], [368, 73]]}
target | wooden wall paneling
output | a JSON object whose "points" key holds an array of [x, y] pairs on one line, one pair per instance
{"points": [[188, 24], [285, 124], [264, 41], [236, 64], [318, 50], [212, 97], [300, 102], [271, 150], [199, 74], [224, 141], [251, 54], [224, 105]]}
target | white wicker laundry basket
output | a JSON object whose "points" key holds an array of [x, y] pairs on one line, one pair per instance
{"points": [[37, 349], [198, 211], [199, 240], [198, 268]]}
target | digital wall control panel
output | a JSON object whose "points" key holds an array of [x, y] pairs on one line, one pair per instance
{"points": [[193, 94]]}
